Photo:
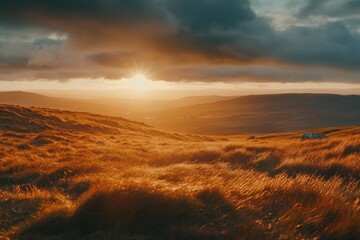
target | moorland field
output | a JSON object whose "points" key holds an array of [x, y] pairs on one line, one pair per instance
{"points": [[73, 175]]}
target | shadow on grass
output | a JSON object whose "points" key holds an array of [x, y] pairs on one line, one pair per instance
{"points": [[352, 149], [139, 212], [326, 172]]}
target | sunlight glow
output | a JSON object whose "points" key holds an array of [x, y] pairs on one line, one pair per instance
{"points": [[140, 81], [139, 84]]}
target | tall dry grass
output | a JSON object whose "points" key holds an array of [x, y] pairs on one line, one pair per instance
{"points": [[70, 175]]}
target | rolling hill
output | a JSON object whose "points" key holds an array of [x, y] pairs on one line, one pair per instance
{"points": [[213, 114], [261, 114], [71, 175], [28, 99]]}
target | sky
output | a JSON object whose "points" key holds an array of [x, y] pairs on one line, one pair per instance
{"points": [[223, 47]]}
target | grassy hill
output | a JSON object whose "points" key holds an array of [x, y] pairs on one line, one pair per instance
{"points": [[68, 175], [261, 114]]}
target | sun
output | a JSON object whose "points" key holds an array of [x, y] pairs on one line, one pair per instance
{"points": [[139, 80]]}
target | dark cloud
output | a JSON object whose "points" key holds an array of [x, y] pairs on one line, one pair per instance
{"points": [[205, 15], [115, 35], [43, 42], [311, 7], [257, 73], [11, 62], [331, 8], [107, 11], [329, 45], [116, 59]]}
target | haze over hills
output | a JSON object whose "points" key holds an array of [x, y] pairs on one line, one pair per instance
{"points": [[215, 114], [148, 105], [105, 106]]}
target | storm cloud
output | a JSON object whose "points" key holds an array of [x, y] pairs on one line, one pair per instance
{"points": [[67, 39], [331, 8]]}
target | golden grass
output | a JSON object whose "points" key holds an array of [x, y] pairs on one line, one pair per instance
{"points": [[67, 175]]}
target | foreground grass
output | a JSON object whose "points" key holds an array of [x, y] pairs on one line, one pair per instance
{"points": [[70, 175]]}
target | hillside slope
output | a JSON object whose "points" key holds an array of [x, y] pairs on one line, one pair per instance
{"points": [[28, 99], [262, 114], [67, 175]]}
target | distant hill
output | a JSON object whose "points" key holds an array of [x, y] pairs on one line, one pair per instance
{"points": [[104, 106], [215, 114], [262, 114]]}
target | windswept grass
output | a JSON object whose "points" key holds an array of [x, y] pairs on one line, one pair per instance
{"points": [[67, 175]]}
